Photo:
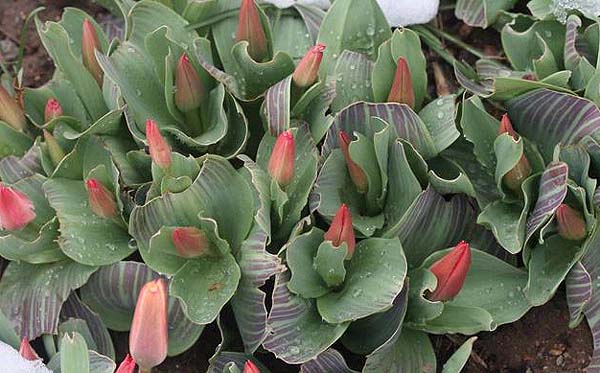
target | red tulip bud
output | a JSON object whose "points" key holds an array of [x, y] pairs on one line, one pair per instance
{"points": [[515, 177], [54, 149], [160, 151], [190, 242], [16, 209], [53, 109], [529, 76], [89, 44], [10, 111], [127, 366], [451, 271], [148, 338], [282, 162], [27, 351], [102, 202], [402, 88], [307, 71], [250, 367], [571, 225], [189, 92], [341, 230], [358, 176], [250, 28]]}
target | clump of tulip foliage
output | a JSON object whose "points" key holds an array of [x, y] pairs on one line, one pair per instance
{"points": [[288, 176]]}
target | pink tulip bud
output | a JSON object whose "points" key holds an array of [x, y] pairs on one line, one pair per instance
{"points": [[53, 109], [307, 71], [102, 201], [89, 44], [250, 367], [282, 162], [515, 177], [148, 338], [27, 351], [358, 176], [127, 366], [10, 111], [160, 151], [16, 209], [250, 28], [451, 272], [341, 230], [190, 242], [189, 92], [402, 88], [53, 147], [571, 225]]}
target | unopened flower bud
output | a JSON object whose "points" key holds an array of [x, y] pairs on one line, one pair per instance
{"points": [[189, 92], [53, 110], [358, 176], [54, 148], [283, 159], [307, 71], [250, 367], [89, 44], [127, 366], [571, 225], [451, 272], [102, 201], [160, 151], [148, 338], [10, 111], [250, 29], [341, 230], [27, 351], [190, 242], [16, 209], [515, 177], [402, 90]]}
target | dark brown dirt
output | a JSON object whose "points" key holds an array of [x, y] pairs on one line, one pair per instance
{"points": [[540, 342]]}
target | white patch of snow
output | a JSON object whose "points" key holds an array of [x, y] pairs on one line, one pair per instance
{"points": [[562, 8], [12, 362]]}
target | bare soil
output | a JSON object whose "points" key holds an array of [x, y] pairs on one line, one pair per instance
{"points": [[540, 342]]}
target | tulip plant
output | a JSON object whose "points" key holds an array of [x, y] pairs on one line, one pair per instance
{"points": [[287, 175]]}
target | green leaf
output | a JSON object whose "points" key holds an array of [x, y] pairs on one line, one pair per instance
{"points": [[507, 222], [328, 361], [300, 252], [112, 292], [375, 276], [420, 309], [404, 43], [13, 142], [329, 263], [298, 333], [74, 354], [353, 25], [508, 154], [86, 237], [33, 294], [352, 72], [459, 358], [481, 13], [481, 129], [411, 351], [7, 332], [97, 363]]}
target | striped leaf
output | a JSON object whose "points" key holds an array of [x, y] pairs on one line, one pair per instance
{"points": [[297, 333], [481, 13], [554, 117], [277, 106], [552, 192], [353, 75], [328, 361], [256, 264], [73, 308], [32, 295], [579, 292], [313, 17], [13, 168], [112, 293], [582, 69]]}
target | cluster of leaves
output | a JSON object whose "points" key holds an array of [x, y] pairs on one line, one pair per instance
{"points": [[433, 173]]}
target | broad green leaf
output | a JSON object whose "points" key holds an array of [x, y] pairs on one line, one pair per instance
{"points": [[97, 363], [352, 73], [112, 292], [481, 129], [300, 253], [522, 47], [291, 34], [32, 295], [74, 352], [13, 142], [375, 276], [328, 361], [63, 91], [329, 263], [86, 237], [298, 333], [508, 154], [353, 25], [459, 358], [410, 351], [404, 43], [420, 309]]}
